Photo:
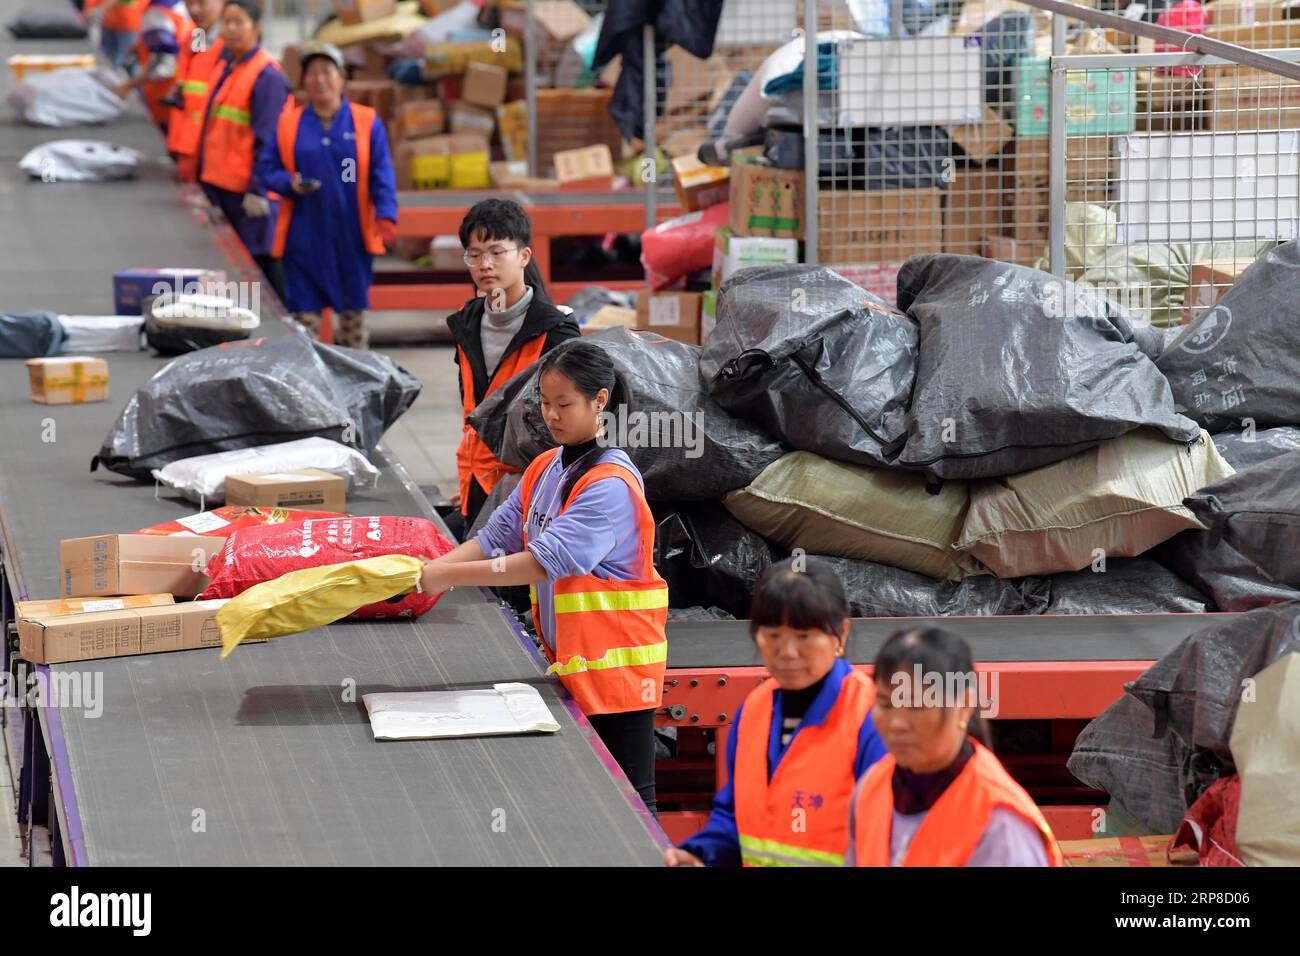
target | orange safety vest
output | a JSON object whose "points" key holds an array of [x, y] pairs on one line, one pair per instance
{"points": [[363, 120], [609, 649], [474, 460], [228, 142], [197, 73], [954, 826], [155, 90], [125, 15], [800, 817]]}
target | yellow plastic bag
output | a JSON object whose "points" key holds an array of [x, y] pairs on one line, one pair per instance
{"points": [[313, 597]]}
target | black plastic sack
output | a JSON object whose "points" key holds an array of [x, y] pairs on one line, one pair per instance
{"points": [[30, 334], [817, 361], [257, 393], [1019, 369], [1005, 40], [879, 590], [1119, 753], [708, 557], [1127, 586], [1244, 450], [1195, 689], [1257, 513], [589, 300], [1231, 581], [174, 338], [698, 613], [35, 23], [892, 157], [1241, 359], [685, 445]]}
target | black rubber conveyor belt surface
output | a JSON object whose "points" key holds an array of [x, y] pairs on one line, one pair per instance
{"points": [[267, 758]]}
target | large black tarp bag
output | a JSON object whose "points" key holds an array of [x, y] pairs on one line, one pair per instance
{"points": [[1019, 369], [891, 157], [708, 557], [685, 445], [1257, 513], [1169, 734], [1241, 359], [1242, 449], [817, 361], [261, 392], [1230, 580], [35, 23], [1126, 586], [30, 334], [880, 590]]}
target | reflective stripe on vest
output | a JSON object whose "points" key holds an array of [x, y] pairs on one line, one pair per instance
{"points": [[363, 121], [228, 140], [609, 647], [474, 460], [956, 823], [800, 816], [198, 73]]}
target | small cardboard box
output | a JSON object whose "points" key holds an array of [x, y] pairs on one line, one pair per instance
{"points": [[557, 21], [464, 118], [765, 201], [1207, 283], [426, 163], [1008, 249], [699, 186], [512, 124], [420, 118], [484, 85], [144, 630], [1144, 851], [974, 206], [379, 95], [983, 140], [351, 12], [63, 606], [878, 225], [131, 287], [111, 564], [68, 379], [291, 63], [306, 489], [674, 315], [411, 93], [588, 168], [732, 253], [610, 317]]}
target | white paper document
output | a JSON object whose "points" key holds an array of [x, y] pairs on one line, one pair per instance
{"points": [[482, 712]]}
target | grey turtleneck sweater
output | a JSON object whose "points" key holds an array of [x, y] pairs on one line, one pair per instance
{"points": [[499, 328]]}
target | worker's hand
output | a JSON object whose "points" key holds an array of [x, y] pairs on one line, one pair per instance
{"points": [[455, 499], [301, 188], [431, 580], [388, 231], [676, 857], [255, 206], [123, 90]]}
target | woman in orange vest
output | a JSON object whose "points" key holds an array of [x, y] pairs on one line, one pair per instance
{"points": [[241, 116], [330, 163], [800, 740], [198, 66], [940, 797], [506, 328], [163, 29], [578, 530]]}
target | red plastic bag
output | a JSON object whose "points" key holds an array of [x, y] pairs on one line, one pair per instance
{"points": [[219, 522], [1210, 826], [254, 555], [681, 246], [1188, 16]]}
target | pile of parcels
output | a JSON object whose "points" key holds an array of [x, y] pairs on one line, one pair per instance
{"points": [[1000, 442], [447, 79], [225, 425]]}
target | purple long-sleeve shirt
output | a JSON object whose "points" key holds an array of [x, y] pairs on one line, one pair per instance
{"points": [[159, 35], [599, 533]]}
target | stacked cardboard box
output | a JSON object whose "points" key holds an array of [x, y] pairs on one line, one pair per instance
{"points": [[974, 207], [1248, 99], [765, 201], [878, 225], [575, 119], [1090, 176], [363, 11], [1168, 102]]}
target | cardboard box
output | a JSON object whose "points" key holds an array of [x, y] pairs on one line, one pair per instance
{"points": [[699, 186], [610, 317], [111, 564], [1126, 851], [732, 253], [405, 93], [1247, 99], [1008, 249], [426, 163], [589, 168], [144, 630], [306, 489], [62, 606], [514, 175], [379, 95], [573, 119], [470, 171], [291, 63], [1097, 102], [512, 125], [765, 201], [20, 64], [463, 118], [375, 65], [433, 8], [1091, 176], [974, 206], [674, 315], [1207, 283], [879, 225], [1168, 102], [984, 140], [556, 22], [132, 286], [351, 12], [420, 118], [68, 379], [1225, 13], [484, 85], [1274, 35]]}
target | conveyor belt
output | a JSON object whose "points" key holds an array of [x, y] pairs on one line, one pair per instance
{"points": [[261, 759], [1103, 637]]}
